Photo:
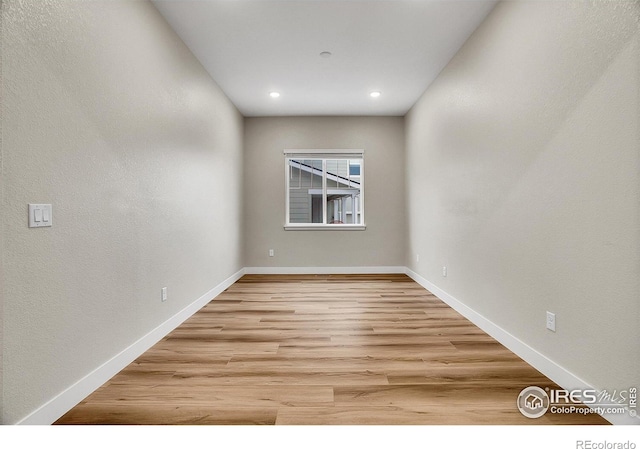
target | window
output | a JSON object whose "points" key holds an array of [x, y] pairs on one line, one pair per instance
{"points": [[324, 189]]}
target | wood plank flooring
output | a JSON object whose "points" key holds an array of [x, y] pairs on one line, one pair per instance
{"points": [[321, 349]]}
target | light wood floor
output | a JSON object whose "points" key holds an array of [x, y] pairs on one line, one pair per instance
{"points": [[321, 349]]}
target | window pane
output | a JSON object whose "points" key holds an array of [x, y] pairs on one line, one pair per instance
{"points": [[305, 176], [342, 191]]}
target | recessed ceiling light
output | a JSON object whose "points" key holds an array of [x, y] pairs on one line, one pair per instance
{"points": [[325, 54], [375, 94], [274, 94]]}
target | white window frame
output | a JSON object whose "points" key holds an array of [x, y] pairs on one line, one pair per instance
{"points": [[323, 155]]}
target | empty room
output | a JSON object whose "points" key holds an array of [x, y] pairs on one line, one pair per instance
{"points": [[320, 212]]}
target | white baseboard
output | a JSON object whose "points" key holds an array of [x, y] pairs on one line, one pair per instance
{"points": [[546, 366], [69, 398], [325, 270]]}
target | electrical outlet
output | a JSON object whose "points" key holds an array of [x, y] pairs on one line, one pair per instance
{"points": [[272, 253], [551, 321], [444, 272], [164, 294], [417, 257]]}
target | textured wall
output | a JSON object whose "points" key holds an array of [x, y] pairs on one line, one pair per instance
{"points": [[523, 179], [381, 244], [111, 119], [2, 6]]}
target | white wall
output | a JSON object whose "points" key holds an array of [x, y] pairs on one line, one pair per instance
{"points": [[381, 244], [2, 6], [108, 117], [523, 179]]}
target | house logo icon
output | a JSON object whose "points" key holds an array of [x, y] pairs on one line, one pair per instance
{"points": [[533, 402]]}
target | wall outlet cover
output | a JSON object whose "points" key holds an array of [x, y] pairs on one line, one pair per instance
{"points": [[551, 321]]}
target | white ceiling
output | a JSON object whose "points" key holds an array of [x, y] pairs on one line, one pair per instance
{"points": [[253, 47]]}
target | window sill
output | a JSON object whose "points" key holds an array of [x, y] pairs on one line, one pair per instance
{"points": [[328, 227]]}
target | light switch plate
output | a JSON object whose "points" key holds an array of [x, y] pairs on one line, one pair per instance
{"points": [[40, 215]]}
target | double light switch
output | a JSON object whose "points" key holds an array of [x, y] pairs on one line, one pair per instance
{"points": [[40, 215]]}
